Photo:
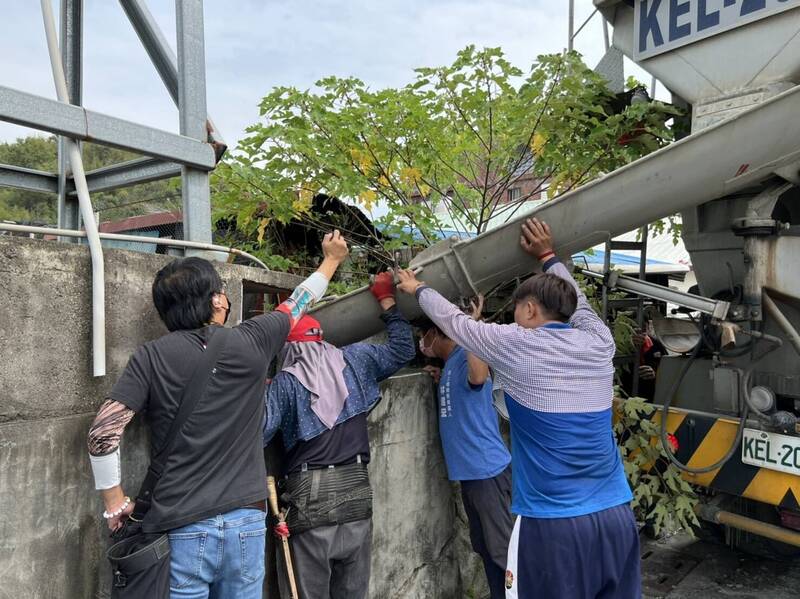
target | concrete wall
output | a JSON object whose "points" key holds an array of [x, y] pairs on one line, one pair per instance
{"points": [[51, 536]]}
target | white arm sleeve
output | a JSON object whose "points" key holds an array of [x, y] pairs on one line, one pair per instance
{"points": [[317, 284], [107, 470]]}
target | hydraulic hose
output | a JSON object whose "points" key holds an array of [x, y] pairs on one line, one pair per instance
{"points": [[744, 390], [665, 413]]}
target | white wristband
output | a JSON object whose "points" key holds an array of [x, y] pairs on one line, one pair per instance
{"points": [[107, 470]]}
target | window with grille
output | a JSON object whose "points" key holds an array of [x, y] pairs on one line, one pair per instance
{"points": [[514, 194]]}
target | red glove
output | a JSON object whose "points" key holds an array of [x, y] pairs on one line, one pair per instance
{"points": [[383, 286], [281, 530]]}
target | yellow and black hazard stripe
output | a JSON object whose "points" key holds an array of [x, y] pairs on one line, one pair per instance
{"points": [[703, 439]]}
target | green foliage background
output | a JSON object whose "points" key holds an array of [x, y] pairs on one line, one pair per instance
{"points": [[41, 153]]}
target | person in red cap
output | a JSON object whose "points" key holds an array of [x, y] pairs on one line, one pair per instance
{"points": [[319, 401]]}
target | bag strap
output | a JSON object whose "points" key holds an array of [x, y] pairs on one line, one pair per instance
{"points": [[192, 393]]}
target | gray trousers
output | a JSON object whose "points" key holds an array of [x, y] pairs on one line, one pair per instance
{"points": [[333, 562]]}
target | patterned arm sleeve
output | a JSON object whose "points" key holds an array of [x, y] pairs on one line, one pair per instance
{"points": [[107, 428], [584, 318], [492, 343], [268, 331], [304, 296]]}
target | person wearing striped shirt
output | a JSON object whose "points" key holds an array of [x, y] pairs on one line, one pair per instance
{"points": [[575, 536]]}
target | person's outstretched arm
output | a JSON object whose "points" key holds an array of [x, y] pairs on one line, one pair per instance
{"points": [[106, 432], [104, 438], [537, 241], [384, 359], [477, 369], [492, 343], [269, 330]]}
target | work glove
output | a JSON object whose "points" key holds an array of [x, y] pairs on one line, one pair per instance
{"points": [[383, 286]]}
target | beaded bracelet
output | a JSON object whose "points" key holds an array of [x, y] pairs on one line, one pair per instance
{"points": [[119, 511]]}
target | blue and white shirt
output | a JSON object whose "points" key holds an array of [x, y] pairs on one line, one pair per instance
{"points": [[558, 382], [471, 442]]}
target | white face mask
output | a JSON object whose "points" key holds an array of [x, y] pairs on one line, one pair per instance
{"points": [[427, 350]]}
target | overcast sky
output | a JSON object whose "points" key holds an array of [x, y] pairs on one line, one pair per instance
{"points": [[253, 45]]}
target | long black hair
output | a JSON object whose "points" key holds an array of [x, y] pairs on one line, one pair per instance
{"points": [[182, 292]]}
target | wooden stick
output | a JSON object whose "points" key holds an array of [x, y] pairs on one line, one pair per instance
{"points": [[287, 555]]}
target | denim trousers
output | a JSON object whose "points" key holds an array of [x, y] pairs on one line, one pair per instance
{"points": [[219, 558]]}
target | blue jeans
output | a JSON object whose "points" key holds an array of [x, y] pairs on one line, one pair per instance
{"points": [[219, 558]]}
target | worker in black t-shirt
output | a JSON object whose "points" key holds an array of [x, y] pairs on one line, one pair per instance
{"points": [[211, 495]]}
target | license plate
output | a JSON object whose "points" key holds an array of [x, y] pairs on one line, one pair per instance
{"points": [[771, 450]]}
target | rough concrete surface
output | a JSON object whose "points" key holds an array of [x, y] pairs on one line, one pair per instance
{"points": [[45, 332], [51, 536], [420, 541]]}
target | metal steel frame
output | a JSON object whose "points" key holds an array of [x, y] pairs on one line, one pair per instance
{"points": [[191, 154]]}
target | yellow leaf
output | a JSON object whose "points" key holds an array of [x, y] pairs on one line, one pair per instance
{"points": [[361, 160], [411, 178], [306, 195], [537, 144], [262, 225], [300, 207], [367, 198]]}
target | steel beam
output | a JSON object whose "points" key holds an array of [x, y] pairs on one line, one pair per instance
{"points": [[34, 111], [154, 42], [29, 179], [161, 55], [192, 110], [72, 56], [133, 172], [717, 309]]}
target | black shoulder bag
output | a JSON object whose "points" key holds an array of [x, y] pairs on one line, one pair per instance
{"points": [[139, 560]]}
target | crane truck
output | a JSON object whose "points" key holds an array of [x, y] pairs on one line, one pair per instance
{"points": [[730, 394]]}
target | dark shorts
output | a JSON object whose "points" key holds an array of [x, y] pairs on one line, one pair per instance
{"points": [[595, 556]]}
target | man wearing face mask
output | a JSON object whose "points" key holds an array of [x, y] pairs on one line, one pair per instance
{"points": [[473, 449], [319, 401], [210, 497]]}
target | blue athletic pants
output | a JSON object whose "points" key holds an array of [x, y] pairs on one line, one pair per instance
{"points": [[595, 556]]}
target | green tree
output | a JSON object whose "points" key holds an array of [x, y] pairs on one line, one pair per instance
{"points": [[41, 153], [444, 150]]}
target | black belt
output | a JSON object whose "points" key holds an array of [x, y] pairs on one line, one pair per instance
{"points": [[304, 467]]}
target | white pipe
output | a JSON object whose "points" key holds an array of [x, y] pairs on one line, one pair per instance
{"points": [[85, 203], [198, 245], [783, 322]]}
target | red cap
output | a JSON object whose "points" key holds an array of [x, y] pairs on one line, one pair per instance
{"points": [[306, 329]]}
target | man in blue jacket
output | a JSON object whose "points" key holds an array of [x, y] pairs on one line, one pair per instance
{"points": [[474, 451], [319, 401]]}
